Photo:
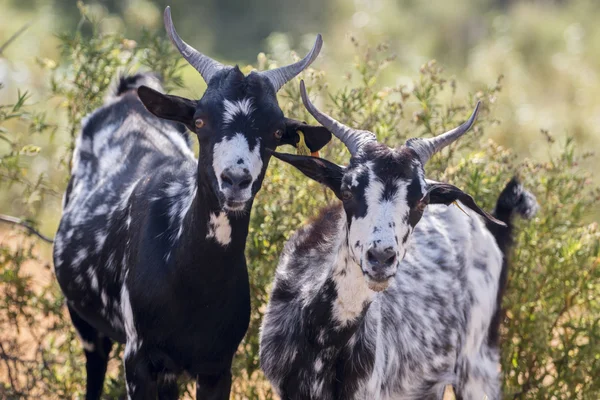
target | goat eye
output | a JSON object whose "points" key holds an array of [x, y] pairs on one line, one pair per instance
{"points": [[199, 123], [278, 134], [346, 195]]}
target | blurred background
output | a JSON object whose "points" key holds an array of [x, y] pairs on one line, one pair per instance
{"points": [[535, 63], [547, 50]]}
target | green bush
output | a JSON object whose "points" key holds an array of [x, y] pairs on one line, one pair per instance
{"points": [[551, 325]]}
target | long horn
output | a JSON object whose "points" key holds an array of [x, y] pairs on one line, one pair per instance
{"points": [[426, 148], [282, 75], [353, 139], [203, 64]]}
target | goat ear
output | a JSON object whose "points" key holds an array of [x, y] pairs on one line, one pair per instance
{"points": [[318, 169], [169, 107], [315, 137], [444, 193]]}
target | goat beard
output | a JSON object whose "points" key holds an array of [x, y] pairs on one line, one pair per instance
{"points": [[378, 286]]}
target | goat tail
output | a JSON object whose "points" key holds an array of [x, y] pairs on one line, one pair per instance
{"points": [[130, 82], [514, 200]]}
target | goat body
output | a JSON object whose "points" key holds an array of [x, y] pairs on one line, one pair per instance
{"points": [[326, 335], [144, 253], [392, 295], [428, 329], [150, 248]]}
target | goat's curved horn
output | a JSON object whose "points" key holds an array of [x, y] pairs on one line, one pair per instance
{"points": [[203, 64], [426, 148], [353, 139], [282, 75]]}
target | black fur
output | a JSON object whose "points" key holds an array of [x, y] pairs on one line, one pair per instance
{"points": [[147, 253]]}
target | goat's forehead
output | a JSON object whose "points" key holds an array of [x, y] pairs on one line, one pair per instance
{"points": [[386, 168], [233, 85], [249, 115], [384, 181]]}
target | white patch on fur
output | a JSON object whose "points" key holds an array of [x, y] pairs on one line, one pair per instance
{"points": [[127, 193], [383, 223], [352, 289], [81, 255], [318, 365], [181, 196], [101, 210], [233, 108], [100, 239], [93, 279], [317, 388], [104, 297], [111, 157], [110, 263], [79, 280], [234, 155], [58, 248], [219, 228], [133, 344]]}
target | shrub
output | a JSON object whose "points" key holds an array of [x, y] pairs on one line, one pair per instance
{"points": [[551, 322]]}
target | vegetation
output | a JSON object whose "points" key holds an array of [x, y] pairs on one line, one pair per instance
{"points": [[551, 325]]}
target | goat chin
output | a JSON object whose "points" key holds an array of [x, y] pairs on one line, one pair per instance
{"points": [[378, 286]]}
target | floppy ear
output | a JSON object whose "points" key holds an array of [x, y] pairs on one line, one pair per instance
{"points": [[165, 106], [322, 171], [315, 137], [444, 193]]}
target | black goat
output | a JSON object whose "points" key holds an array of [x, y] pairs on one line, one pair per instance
{"points": [[150, 247]]}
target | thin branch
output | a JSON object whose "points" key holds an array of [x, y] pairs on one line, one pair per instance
{"points": [[6, 359], [15, 36], [16, 221]]}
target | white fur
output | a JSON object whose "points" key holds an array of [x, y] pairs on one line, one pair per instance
{"points": [[80, 256], [104, 297], [228, 152], [133, 344], [352, 289], [93, 279], [100, 239], [219, 229], [382, 225], [233, 108]]}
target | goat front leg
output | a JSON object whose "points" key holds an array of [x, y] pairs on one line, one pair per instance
{"points": [[141, 384], [97, 351], [213, 387]]}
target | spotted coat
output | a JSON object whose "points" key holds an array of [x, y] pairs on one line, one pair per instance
{"points": [[337, 327]]}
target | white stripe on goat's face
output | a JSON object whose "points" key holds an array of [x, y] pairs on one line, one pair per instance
{"points": [[231, 109], [236, 166], [381, 211]]}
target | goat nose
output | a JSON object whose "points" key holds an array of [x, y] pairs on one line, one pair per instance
{"points": [[232, 180], [381, 258]]}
